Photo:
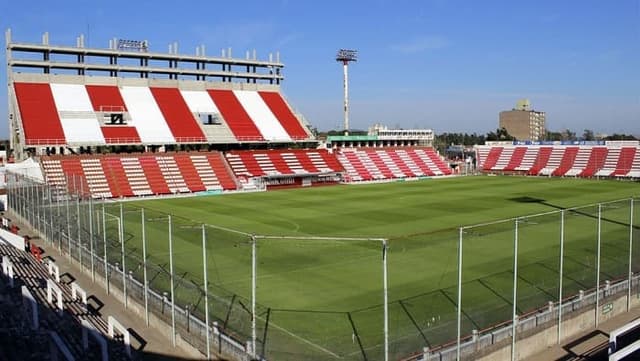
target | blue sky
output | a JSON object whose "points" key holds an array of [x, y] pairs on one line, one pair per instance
{"points": [[448, 65]]}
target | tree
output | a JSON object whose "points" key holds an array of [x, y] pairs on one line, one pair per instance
{"points": [[588, 135], [553, 136], [501, 134], [616, 136], [568, 135]]}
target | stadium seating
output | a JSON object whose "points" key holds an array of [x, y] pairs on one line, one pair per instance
{"points": [[528, 159], [77, 114], [627, 163], [541, 160], [558, 160], [503, 159], [553, 162], [105, 176], [567, 161], [595, 162], [610, 163], [634, 170], [366, 164], [492, 158], [516, 159], [289, 162], [26, 343]]}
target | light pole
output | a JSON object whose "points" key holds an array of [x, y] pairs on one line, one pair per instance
{"points": [[345, 56]]}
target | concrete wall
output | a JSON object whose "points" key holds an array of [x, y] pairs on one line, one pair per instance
{"points": [[529, 345]]}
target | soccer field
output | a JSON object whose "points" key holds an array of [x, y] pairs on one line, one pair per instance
{"points": [[322, 298]]}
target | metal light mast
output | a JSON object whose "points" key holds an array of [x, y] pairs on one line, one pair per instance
{"points": [[345, 56]]}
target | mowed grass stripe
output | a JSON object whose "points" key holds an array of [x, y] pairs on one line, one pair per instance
{"points": [[421, 221]]}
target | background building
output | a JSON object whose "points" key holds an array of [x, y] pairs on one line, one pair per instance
{"points": [[524, 123]]}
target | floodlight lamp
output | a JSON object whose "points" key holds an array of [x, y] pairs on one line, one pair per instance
{"points": [[346, 55]]}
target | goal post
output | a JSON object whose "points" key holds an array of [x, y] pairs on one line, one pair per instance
{"points": [[311, 308]]}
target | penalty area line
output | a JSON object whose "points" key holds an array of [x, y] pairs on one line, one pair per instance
{"points": [[304, 340]]}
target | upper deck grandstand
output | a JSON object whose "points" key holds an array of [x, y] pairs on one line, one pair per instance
{"points": [[108, 122]]}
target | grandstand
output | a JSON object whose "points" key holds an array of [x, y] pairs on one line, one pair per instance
{"points": [[618, 159], [92, 124], [127, 122], [36, 330]]}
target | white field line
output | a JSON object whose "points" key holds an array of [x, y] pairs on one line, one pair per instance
{"points": [[303, 339], [300, 338]]}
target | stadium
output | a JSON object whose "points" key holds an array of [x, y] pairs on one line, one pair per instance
{"points": [[189, 187]]}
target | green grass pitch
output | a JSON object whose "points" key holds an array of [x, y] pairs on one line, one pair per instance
{"points": [[323, 298]]}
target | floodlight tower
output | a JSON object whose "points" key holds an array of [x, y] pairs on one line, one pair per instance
{"points": [[345, 56]]}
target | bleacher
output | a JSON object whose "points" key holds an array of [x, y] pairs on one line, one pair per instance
{"points": [[369, 164], [58, 329], [139, 174], [78, 114], [282, 163], [621, 161]]}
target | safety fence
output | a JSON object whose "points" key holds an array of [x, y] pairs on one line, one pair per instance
{"points": [[225, 291]]}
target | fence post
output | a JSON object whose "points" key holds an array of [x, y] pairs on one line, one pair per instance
{"points": [[598, 263], [459, 310], [104, 242], [144, 269], [206, 290], [171, 276], [515, 292], [58, 226], [253, 295], [93, 271], [79, 229], [561, 275], [124, 267], [68, 225], [386, 300], [630, 253]]}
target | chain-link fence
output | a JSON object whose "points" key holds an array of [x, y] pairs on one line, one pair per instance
{"points": [[248, 296]]}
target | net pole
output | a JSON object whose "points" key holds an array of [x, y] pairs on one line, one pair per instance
{"points": [[91, 250], [173, 303], [58, 225], [206, 290], [79, 227], [68, 227], [630, 253], [386, 300], [20, 195], [20, 202], [144, 268], [104, 243], [124, 267], [25, 200], [51, 210], [598, 263], [514, 320], [51, 229], [459, 310], [253, 295], [38, 202], [33, 202], [560, 285]]}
